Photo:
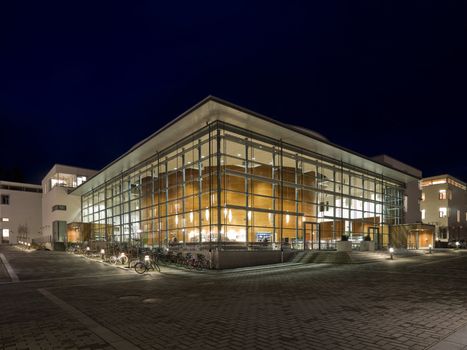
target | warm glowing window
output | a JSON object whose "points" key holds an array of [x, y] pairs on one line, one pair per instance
{"points": [[423, 196], [80, 180], [5, 219], [442, 194], [458, 216], [423, 214], [425, 183], [443, 212]]}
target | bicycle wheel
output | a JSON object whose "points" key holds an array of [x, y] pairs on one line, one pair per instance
{"points": [[113, 259], [133, 262], [156, 266], [140, 267], [124, 260]]}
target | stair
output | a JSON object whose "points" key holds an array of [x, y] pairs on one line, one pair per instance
{"points": [[333, 257]]}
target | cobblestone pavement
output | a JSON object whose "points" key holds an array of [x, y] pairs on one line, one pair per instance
{"points": [[407, 303]]}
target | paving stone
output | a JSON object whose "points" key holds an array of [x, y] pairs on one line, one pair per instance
{"points": [[387, 305]]}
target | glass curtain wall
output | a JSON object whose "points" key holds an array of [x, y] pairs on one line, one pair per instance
{"points": [[225, 186]]}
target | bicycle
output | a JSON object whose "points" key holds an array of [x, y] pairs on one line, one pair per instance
{"points": [[146, 265], [201, 262], [121, 259]]}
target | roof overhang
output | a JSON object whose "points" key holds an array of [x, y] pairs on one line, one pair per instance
{"points": [[213, 109]]}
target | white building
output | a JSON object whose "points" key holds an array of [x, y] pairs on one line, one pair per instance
{"points": [[20, 212], [444, 205], [59, 207]]}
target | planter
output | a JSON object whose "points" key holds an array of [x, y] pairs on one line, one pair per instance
{"points": [[367, 246], [344, 246]]}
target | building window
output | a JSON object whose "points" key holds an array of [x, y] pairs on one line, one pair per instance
{"points": [[80, 180], [5, 199], [423, 214], [5, 235], [443, 233], [59, 207], [423, 196], [442, 194], [443, 212], [5, 219], [458, 215]]}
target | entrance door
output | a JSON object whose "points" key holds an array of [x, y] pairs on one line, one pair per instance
{"points": [[375, 235], [311, 236]]}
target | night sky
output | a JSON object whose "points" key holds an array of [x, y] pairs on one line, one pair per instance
{"points": [[82, 82]]}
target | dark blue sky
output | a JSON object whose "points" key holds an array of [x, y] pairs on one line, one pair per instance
{"points": [[81, 82]]}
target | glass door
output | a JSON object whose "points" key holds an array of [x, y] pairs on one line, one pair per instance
{"points": [[311, 236], [376, 237]]}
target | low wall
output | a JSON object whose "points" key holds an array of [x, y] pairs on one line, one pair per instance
{"points": [[232, 259]]}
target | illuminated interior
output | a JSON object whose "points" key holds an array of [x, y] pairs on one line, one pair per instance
{"points": [[226, 186], [65, 180]]}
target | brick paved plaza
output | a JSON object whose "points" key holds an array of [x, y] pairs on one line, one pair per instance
{"points": [[63, 301]]}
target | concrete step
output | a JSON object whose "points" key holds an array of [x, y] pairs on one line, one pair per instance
{"points": [[353, 257]]}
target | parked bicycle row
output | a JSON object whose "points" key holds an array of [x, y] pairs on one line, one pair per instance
{"points": [[142, 259]]}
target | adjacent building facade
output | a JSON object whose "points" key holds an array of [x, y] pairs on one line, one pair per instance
{"points": [[61, 211], [444, 204], [223, 177], [20, 212]]}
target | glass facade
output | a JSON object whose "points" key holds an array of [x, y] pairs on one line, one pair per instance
{"points": [[227, 187]]}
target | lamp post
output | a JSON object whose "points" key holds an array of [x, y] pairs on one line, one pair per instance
{"points": [[391, 251]]}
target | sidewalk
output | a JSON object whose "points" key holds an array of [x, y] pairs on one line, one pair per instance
{"points": [[4, 276], [457, 340]]}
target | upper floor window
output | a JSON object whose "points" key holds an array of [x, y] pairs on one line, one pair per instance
{"points": [[59, 207], [443, 212], [442, 194], [423, 214], [423, 196], [5, 199], [458, 215], [80, 180], [66, 180]]}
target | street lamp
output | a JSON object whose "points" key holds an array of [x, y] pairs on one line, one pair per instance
{"points": [[391, 251], [429, 248], [457, 245]]}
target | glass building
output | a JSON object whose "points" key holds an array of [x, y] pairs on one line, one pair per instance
{"points": [[220, 176]]}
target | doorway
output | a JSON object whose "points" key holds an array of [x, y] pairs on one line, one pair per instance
{"points": [[311, 236], [376, 237]]}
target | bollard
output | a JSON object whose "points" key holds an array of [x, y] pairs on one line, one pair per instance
{"points": [[391, 251]]}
